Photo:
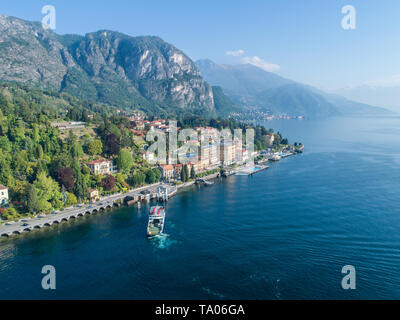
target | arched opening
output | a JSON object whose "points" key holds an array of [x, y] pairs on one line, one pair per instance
{"points": [[64, 220], [47, 225], [27, 230], [38, 227], [16, 232], [5, 235]]}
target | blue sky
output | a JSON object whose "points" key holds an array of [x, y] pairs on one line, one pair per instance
{"points": [[301, 40]]}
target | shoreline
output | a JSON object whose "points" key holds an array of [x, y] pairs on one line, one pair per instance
{"points": [[10, 230]]}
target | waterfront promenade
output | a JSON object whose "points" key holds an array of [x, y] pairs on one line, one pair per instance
{"points": [[58, 217]]}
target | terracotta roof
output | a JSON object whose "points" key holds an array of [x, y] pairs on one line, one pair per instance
{"points": [[98, 161], [2, 187], [167, 166]]}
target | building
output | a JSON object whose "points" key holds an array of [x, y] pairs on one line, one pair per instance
{"points": [[149, 156], [238, 150], [204, 158], [94, 195], [178, 170], [3, 195], [214, 155], [167, 171], [101, 166], [227, 153]]}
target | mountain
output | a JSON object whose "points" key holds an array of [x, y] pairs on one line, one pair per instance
{"points": [[250, 86], [223, 105], [105, 66], [385, 95]]}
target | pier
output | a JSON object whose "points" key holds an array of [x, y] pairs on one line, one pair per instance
{"points": [[43, 221], [249, 171]]}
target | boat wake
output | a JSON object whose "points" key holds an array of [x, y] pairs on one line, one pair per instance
{"points": [[162, 241]]}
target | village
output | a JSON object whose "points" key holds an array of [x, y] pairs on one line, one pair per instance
{"points": [[107, 167]]}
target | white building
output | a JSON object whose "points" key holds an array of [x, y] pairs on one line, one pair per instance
{"points": [[3, 195], [149, 157], [101, 166]]}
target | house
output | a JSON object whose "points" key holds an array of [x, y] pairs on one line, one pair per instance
{"points": [[3, 195], [101, 166], [94, 195], [167, 171], [149, 157], [137, 133]]}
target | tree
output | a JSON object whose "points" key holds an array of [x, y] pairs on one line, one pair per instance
{"points": [[184, 174], [81, 188], [71, 200], [108, 183], [95, 147], [157, 174], [112, 144], [76, 150], [138, 179], [150, 177], [192, 173], [65, 177], [32, 199], [186, 171], [124, 160], [48, 192]]}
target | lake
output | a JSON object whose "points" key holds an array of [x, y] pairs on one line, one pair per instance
{"points": [[284, 233]]}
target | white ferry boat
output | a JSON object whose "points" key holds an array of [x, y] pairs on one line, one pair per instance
{"points": [[156, 221]]}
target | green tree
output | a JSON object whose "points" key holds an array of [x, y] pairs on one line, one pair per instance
{"points": [[124, 160], [48, 192], [71, 200], [95, 147], [76, 150], [184, 174], [138, 179], [81, 187], [32, 200], [192, 173]]}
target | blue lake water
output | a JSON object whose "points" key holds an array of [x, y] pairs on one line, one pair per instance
{"points": [[284, 233]]}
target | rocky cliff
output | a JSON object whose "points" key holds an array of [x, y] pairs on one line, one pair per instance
{"points": [[104, 66]]}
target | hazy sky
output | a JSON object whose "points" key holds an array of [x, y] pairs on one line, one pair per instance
{"points": [[301, 40]]}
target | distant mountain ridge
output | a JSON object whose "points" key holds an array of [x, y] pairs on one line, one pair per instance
{"points": [[250, 86], [387, 96], [104, 66]]}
